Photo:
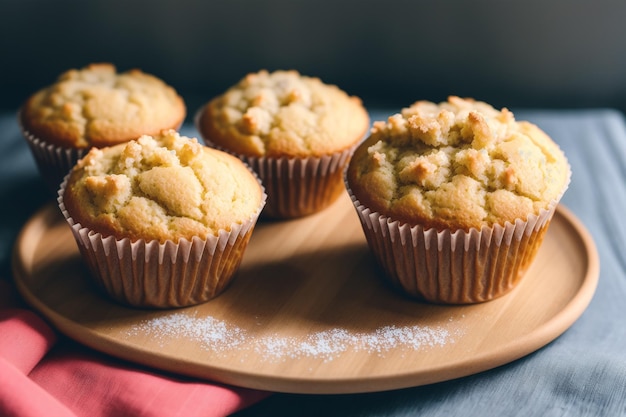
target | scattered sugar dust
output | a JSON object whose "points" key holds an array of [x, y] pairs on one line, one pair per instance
{"points": [[220, 337], [212, 334]]}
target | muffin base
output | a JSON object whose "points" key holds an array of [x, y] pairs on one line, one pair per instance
{"points": [[453, 267], [53, 162], [162, 275], [298, 187]]}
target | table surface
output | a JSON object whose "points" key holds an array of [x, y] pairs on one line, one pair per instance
{"points": [[581, 373]]}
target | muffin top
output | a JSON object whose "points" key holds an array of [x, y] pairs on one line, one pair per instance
{"points": [[283, 113], [96, 106], [459, 164], [165, 187]]}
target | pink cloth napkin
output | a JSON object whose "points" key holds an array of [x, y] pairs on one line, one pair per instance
{"points": [[44, 374]]}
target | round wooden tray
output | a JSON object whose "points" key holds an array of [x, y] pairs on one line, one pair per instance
{"points": [[308, 313]]}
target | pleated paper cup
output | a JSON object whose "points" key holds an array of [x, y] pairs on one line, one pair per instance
{"points": [[298, 187], [457, 267], [163, 275], [53, 162]]}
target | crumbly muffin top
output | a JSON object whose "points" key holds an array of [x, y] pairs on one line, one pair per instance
{"points": [[162, 188], [459, 164], [96, 106], [283, 113]]}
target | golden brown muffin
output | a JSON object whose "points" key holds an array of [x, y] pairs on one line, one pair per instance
{"points": [[171, 194], [94, 107], [97, 106], [457, 165], [295, 131], [461, 175], [161, 188]]}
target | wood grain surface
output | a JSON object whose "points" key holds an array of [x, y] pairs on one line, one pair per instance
{"points": [[308, 311]]}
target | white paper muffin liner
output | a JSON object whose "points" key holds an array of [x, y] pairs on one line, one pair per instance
{"points": [[295, 187], [162, 275], [298, 187], [53, 162], [453, 267]]}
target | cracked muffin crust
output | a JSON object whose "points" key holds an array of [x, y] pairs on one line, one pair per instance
{"points": [[459, 164], [283, 113], [97, 106], [165, 187]]}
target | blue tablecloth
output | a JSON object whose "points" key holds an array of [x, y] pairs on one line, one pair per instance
{"points": [[581, 373]]}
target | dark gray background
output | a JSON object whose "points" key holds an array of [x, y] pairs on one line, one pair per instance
{"points": [[532, 53]]}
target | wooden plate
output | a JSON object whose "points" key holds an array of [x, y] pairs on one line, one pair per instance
{"points": [[308, 313]]}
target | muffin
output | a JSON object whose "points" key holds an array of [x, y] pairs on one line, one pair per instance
{"points": [[161, 221], [455, 198], [296, 132], [94, 107]]}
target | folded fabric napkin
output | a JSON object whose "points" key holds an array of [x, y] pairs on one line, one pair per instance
{"points": [[44, 374]]}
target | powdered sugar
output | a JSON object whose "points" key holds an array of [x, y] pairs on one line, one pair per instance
{"points": [[221, 337], [329, 344], [210, 333]]}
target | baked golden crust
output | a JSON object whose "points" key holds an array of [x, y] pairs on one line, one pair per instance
{"points": [[165, 187], [459, 164], [283, 113], [96, 106]]}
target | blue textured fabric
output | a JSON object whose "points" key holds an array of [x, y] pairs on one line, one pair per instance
{"points": [[581, 373]]}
